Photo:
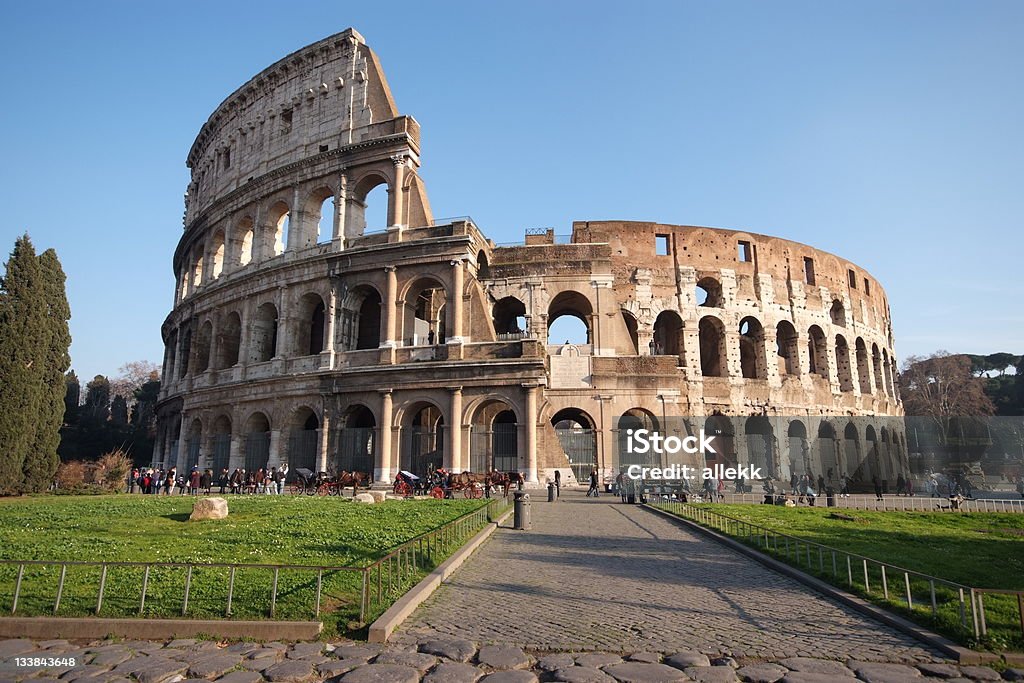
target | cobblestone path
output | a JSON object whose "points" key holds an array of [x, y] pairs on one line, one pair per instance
{"points": [[594, 574]]}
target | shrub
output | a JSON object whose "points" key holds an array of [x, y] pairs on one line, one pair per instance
{"points": [[112, 470], [71, 475]]}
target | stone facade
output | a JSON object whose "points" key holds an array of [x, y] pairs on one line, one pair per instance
{"points": [[299, 335]]}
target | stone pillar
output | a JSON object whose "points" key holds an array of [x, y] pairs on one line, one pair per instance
{"points": [[327, 355], [236, 456], [457, 463], [397, 208], [731, 364], [771, 356], [338, 234], [383, 472], [296, 220], [456, 302], [274, 453], [531, 433], [390, 308], [325, 438]]}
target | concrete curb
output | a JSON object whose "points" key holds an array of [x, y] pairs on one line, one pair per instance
{"points": [[385, 625], [155, 629], [962, 654]]}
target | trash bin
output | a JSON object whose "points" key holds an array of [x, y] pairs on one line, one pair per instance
{"points": [[551, 493], [830, 497], [521, 511]]}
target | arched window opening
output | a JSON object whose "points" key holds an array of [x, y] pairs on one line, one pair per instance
{"points": [[310, 327], [197, 273], [425, 313], [424, 442], [787, 349], [494, 438], [186, 352], [325, 226], [357, 441], [281, 229], [711, 333], [230, 339], [826, 457], [218, 254], [257, 442], [629, 422], [186, 277], [844, 371], [799, 449], [887, 367], [264, 334], [304, 440], [668, 334], [759, 445], [220, 445], [578, 440], [709, 292], [203, 342], [367, 206], [509, 316], [858, 470], [876, 361], [752, 359], [359, 320], [569, 319], [817, 353], [723, 440], [837, 313], [632, 331], [245, 229], [863, 367], [483, 268]]}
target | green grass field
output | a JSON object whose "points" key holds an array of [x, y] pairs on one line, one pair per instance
{"points": [[294, 530], [982, 550]]}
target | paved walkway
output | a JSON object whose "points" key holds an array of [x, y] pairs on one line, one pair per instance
{"points": [[595, 574]]}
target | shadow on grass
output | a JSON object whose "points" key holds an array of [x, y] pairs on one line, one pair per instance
{"points": [[178, 516]]}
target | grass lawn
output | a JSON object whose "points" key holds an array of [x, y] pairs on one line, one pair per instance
{"points": [[981, 550], [295, 530]]}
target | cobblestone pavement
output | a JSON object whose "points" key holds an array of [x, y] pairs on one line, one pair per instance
{"points": [[594, 574], [430, 661]]}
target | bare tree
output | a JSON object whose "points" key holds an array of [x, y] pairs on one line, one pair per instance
{"points": [[943, 389], [131, 377]]}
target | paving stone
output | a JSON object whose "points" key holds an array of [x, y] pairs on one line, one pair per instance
{"points": [[641, 672], [938, 670], [265, 653], [596, 660], [681, 660], [809, 677], [289, 671], [503, 657], [336, 667], [181, 642], [554, 662], [876, 672], [159, 671], [1013, 674], [456, 649], [258, 664], [241, 677], [816, 666], [510, 677], [85, 671], [15, 646], [352, 651], [211, 666], [725, 661], [242, 648], [762, 673], [110, 658], [52, 644], [582, 674], [980, 673], [712, 674], [649, 657], [416, 660], [305, 650], [453, 672], [382, 673]]}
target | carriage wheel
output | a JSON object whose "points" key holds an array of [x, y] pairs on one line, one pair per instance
{"points": [[333, 490], [404, 489], [323, 489], [295, 489], [311, 489], [476, 492], [437, 492]]}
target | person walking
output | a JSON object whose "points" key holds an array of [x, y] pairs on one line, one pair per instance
{"points": [[878, 486], [593, 484], [282, 474], [223, 480], [193, 482], [558, 484]]}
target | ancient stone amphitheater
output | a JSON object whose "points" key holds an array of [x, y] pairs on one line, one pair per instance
{"points": [[301, 333]]}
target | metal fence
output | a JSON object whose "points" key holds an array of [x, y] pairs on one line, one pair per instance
{"points": [[581, 447], [377, 583], [896, 503], [303, 446], [221, 451], [946, 602], [257, 450], [355, 449], [495, 450]]}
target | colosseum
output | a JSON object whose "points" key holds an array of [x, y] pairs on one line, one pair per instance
{"points": [[303, 332]]}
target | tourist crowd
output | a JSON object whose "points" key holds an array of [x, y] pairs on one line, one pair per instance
{"points": [[168, 482]]}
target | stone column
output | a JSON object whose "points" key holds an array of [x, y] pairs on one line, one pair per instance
{"points": [[397, 209], [274, 452], [296, 228], [325, 438], [456, 302], [338, 234], [390, 315], [531, 433], [457, 464], [236, 457], [383, 471], [327, 355]]}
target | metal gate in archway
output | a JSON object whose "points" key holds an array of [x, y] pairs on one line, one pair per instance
{"points": [[581, 447], [495, 449], [355, 449], [424, 449]]}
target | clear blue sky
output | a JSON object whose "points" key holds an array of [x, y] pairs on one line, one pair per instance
{"points": [[887, 132]]}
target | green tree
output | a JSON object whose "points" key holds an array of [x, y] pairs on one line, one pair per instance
{"points": [[72, 396], [22, 326], [119, 412], [41, 460]]}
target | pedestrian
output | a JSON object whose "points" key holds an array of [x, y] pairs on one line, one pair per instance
{"points": [[169, 481], [223, 480], [901, 485], [193, 482], [620, 484], [558, 484], [794, 482], [593, 484], [133, 481], [282, 474], [821, 483], [878, 486]]}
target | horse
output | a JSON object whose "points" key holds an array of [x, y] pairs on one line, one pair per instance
{"points": [[353, 479], [505, 480]]}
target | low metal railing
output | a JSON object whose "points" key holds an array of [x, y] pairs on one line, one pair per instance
{"points": [[858, 572], [379, 582], [889, 502]]}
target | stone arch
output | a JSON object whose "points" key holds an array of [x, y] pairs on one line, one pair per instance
{"points": [[633, 419], [760, 444], [193, 443], [257, 441], [713, 359], [787, 344], [494, 436], [423, 311], [357, 440], [204, 342], [851, 450], [723, 439], [217, 247], [668, 334], [310, 324], [863, 367], [573, 304], [837, 313], [483, 267], [263, 342], [844, 372], [876, 362], [509, 316], [186, 351], [220, 443], [303, 438], [318, 213], [577, 437], [197, 271], [423, 436], [359, 319], [229, 341], [887, 371], [753, 364], [632, 332], [279, 222], [798, 447], [245, 230], [363, 203], [817, 352], [709, 292]]}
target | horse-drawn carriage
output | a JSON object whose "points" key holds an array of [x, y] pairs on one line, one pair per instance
{"points": [[442, 484], [327, 483]]}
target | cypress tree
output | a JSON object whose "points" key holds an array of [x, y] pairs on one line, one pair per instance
{"points": [[41, 460], [22, 326]]}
